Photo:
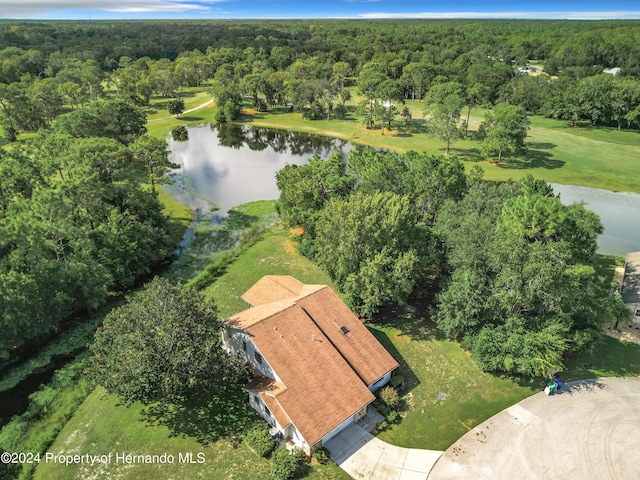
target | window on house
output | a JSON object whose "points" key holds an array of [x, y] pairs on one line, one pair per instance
{"points": [[244, 345], [258, 358]]}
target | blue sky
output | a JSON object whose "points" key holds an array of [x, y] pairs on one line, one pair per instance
{"points": [[201, 9]]}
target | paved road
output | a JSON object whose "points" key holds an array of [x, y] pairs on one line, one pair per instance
{"points": [[591, 430]]}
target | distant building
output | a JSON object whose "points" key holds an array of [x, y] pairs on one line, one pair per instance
{"points": [[315, 365], [611, 71], [631, 284]]}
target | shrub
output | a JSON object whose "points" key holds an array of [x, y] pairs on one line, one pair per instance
{"points": [[321, 455], [340, 111], [180, 134], [258, 439], [9, 471], [389, 396], [393, 416], [261, 105], [49, 410], [396, 381], [382, 426], [383, 409], [284, 465]]}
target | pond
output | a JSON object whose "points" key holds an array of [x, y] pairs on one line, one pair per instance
{"points": [[618, 211], [234, 164]]}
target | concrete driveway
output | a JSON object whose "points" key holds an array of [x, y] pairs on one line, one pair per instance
{"points": [[365, 457], [590, 430]]}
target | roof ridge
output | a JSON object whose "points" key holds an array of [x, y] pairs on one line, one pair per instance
{"points": [[288, 303]]}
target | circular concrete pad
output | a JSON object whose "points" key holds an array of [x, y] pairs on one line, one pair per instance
{"points": [[589, 430]]}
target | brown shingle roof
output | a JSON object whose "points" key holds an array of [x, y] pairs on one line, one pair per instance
{"points": [[360, 348], [325, 372], [272, 288], [321, 390], [269, 390]]}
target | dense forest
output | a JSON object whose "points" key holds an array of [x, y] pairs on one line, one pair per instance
{"points": [[510, 262], [44, 66], [77, 225]]}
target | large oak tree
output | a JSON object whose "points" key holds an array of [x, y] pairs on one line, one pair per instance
{"points": [[163, 344]]}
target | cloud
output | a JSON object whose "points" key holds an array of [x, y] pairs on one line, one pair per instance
{"points": [[532, 15], [40, 8]]}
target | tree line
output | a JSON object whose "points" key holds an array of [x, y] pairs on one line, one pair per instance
{"points": [[76, 224], [509, 262], [308, 66]]}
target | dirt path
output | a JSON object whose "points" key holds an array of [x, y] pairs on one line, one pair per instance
{"points": [[205, 104]]}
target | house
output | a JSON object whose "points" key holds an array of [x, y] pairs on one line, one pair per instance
{"points": [[315, 364]]}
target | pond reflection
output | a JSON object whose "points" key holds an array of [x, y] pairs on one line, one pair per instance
{"points": [[224, 166]]}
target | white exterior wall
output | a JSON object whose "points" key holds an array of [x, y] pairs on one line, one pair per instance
{"points": [[338, 429], [233, 343], [294, 435], [380, 383], [258, 405]]}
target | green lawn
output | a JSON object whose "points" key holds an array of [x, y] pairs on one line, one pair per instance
{"points": [[102, 426], [160, 122], [437, 368], [610, 358], [211, 242], [275, 254], [180, 216]]}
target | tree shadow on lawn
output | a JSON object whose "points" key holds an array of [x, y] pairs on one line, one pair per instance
{"points": [[541, 145], [207, 416], [411, 379], [535, 159], [237, 220], [414, 127], [411, 319], [190, 119], [467, 154]]}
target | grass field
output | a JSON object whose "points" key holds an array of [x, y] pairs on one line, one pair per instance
{"points": [[102, 426], [275, 254], [160, 122], [447, 394], [211, 242]]}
